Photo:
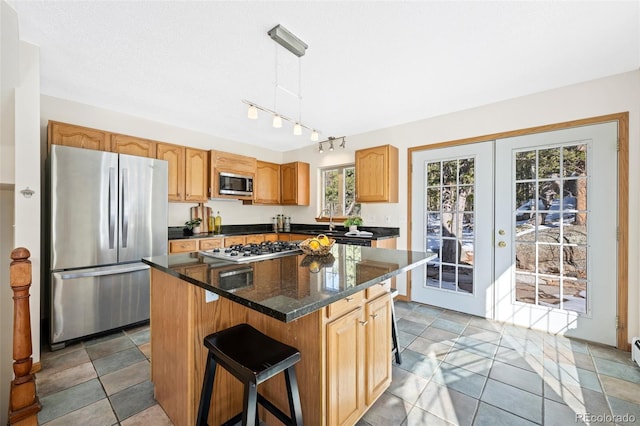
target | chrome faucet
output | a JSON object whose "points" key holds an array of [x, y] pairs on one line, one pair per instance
{"points": [[331, 209]]}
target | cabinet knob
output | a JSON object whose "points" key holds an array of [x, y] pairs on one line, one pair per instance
{"points": [[364, 323], [348, 299], [374, 316], [502, 244]]}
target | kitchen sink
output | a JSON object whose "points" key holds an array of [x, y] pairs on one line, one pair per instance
{"points": [[323, 231]]}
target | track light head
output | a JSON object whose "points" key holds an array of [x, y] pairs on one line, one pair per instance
{"points": [[252, 112]]}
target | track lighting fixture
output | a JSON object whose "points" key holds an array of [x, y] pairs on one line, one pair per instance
{"points": [[293, 44], [331, 140]]}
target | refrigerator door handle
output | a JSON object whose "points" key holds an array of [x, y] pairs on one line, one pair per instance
{"points": [[100, 272], [125, 207], [113, 206]]}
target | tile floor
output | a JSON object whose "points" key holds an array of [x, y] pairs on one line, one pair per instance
{"points": [[457, 369]]}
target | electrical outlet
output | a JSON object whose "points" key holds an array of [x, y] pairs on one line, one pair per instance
{"points": [[371, 218], [387, 219]]}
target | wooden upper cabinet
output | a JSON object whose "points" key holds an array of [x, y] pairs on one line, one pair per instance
{"points": [[294, 184], [266, 186], [196, 168], [77, 136], [174, 155], [377, 175], [233, 163], [230, 163], [123, 144]]}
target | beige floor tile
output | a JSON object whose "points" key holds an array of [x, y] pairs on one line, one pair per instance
{"points": [[621, 389], [126, 377], [50, 381], [154, 415], [97, 414], [64, 361]]}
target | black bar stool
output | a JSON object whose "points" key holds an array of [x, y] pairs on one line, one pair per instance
{"points": [[251, 357], [395, 349]]}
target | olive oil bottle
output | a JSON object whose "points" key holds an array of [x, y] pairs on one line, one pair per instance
{"points": [[217, 225]]}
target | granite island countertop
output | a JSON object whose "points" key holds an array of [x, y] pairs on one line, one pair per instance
{"points": [[294, 285]]}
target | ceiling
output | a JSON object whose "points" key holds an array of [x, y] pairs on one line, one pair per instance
{"points": [[369, 65]]}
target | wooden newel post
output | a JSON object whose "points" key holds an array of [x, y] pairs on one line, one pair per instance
{"points": [[23, 402]]}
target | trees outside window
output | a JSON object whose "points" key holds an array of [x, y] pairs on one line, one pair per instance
{"points": [[339, 191]]}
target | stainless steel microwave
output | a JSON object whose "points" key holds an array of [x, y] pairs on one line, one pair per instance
{"points": [[232, 184]]}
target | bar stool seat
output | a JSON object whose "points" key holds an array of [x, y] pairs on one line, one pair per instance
{"points": [[252, 357]]}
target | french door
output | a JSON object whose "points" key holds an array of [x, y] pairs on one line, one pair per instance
{"points": [[453, 217], [540, 228]]}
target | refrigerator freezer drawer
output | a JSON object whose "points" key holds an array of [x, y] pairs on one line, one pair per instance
{"points": [[88, 301]]}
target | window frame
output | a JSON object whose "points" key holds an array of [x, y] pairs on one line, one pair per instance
{"points": [[321, 196]]}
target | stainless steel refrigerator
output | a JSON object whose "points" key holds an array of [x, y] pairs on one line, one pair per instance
{"points": [[107, 211]]}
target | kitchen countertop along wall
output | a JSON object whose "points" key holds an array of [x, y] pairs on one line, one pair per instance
{"points": [[379, 233]]}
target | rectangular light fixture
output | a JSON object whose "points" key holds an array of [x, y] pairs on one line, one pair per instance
{"points": [[288, 40]]}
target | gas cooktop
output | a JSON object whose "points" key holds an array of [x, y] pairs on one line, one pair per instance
{"points": [[253, 252]]}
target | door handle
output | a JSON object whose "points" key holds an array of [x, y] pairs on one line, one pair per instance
{"points": [[502, 244], [113, 206], [125, 207]]}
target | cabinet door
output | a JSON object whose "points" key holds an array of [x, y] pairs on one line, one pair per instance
{"points": [[271, 237], [377, 174], [77, 136], [233, 163], [345, 361], [266, 186], [174, 155], [294, 184], [123, 144], [378, 344], [199, 272], [195, 175], [299, 237]]}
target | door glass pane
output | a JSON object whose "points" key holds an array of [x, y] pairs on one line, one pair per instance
{"points": [[551, 238], [525, 165], [450, 214]]}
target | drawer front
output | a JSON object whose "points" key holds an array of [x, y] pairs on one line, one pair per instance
{"points": [[345, 305], [183, 246], [378, 289], [255, 239], [231, 241], [212, 243]]}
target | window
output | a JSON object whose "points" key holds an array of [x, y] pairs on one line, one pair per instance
{"points": [[339, 191]]}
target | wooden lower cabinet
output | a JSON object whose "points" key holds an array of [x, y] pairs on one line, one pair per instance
{"points": [[358, 358], [345, 372], [345, 363]]}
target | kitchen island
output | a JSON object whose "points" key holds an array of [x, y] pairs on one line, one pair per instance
{"points": [[335, 310]]}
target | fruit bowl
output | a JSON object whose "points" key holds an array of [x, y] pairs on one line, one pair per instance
{"points": [[317, 246]]}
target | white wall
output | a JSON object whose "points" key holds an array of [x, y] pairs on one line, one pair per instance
{"points": [[27, 175], [8, 80], [614, 94]]}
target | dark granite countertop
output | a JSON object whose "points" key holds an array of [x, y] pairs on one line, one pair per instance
{"points": [[379, 233], [292, 286]]}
